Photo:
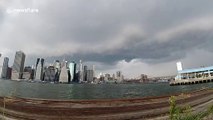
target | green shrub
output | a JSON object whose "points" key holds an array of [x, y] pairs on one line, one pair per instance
{"points": [[185, 113]]}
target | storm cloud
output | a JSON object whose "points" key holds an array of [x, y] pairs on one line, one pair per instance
{"points": [[113, 34]]}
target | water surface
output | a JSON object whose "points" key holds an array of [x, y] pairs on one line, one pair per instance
{"points": [[91, 91]]}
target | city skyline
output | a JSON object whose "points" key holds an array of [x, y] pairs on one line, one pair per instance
{"points": [[136, 37], [56, 72]]}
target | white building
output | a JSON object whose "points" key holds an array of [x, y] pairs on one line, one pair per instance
{"points": [[64, 73], [18, 65]]}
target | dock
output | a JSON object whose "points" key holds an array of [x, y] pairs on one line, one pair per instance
{"points": [[191, 81]]}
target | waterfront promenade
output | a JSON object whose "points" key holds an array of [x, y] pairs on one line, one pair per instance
{"points": [[101, 109]]}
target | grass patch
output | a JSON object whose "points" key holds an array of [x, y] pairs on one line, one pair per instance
{"points": [[185, 113]]}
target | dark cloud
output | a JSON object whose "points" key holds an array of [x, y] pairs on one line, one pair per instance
{"points": [[108, 31]]}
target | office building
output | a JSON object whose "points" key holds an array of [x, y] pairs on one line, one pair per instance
{"points": [[119, 76], [64, 73], [90, 75], [4, 68], [85, 73], [49, 74], [9, 73], [39, 69], [93, 68], [18, 65], [106, 77], [57, 66], [80, 73], [144, 78], [113, 76], [42, 69], [72, 71], [1, 65], [28, 73]]}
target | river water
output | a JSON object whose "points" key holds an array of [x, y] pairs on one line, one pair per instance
{"points": [[91, 91]]}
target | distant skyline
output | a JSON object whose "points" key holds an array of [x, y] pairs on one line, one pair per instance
{"points": [[134, 36]]}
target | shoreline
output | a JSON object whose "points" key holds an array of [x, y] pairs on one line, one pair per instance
{"points": [[113, 109]]}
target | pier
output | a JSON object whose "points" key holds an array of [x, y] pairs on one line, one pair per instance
{"points": [[192, 76], [191, 81]]}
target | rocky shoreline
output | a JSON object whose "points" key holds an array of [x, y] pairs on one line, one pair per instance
{"points": [[101, 109]]}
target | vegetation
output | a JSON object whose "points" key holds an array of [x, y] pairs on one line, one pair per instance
{"points": [[185, 113]]}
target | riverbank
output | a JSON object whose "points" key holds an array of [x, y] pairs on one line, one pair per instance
{"points": [[108, 109]]}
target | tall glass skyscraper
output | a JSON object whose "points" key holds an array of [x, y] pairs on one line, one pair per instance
{"points": [[42, 69], [5, 67], [57, 66], [85, 73], [18, 65], [72, 68], [39, 69]]}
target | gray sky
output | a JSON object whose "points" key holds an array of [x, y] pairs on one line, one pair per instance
{"points": [[134, 36]]}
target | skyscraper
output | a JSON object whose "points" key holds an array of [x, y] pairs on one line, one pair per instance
{"points": [[49, 74], [85, 73], [42, 69], [39, 69], [64, 73], [119, 76], [72, 68], [5, 67], [18, 65], [90, 75], [57, 66], [81, 76], [9, 73], [93, 68], [1, 65]]}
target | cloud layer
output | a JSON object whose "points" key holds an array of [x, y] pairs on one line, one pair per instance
{"points": [[115, 35]]}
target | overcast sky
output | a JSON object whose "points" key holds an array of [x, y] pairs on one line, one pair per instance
{"points": [[134, 36]]}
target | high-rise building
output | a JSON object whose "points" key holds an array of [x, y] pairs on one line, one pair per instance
{"points": [[144, 78], [28, 73], [119, 76], [113, 76], [85, 73], [90, 75], [72, 69], [81, 74], [5, 67], [18, 65], [93, 68], [106, 77], [64, 73], [1, 65], [42, 69], [9, 73], [57, 66], [39, 69], [49, 74]]}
